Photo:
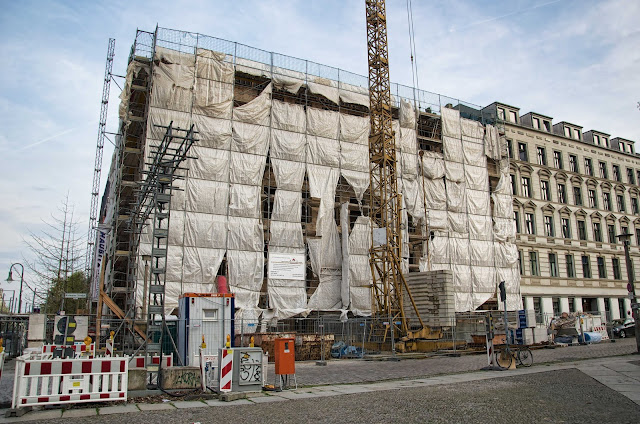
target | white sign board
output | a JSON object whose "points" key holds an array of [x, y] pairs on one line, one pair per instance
{"points": [[287, 266], [102, 239], [75, 295]]}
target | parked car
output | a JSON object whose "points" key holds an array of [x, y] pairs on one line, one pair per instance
{"points": [[623, 328]]}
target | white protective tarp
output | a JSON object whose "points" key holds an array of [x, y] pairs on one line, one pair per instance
{"points": [[289, 175], [213, 98], [207, 196], [249, 138], [257, 110], [215, 66], [322, 123], [354, 129], [213, 133], [435, 194], [244, 200], [327, 91], [205, 230], [407, 114], [432, 165], [245, 168], [323, 151], [287, 116], [359, 275], [246, 271], [288, 145]]}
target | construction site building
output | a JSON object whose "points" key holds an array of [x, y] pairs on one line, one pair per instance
{"points": [[274, 193]]}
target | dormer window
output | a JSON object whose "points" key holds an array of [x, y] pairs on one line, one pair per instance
{"points": [[576, 134], [596, 139], [547, 126], [536, 123], [567, 132], [513, 117], [605, 141], [501, 113]]}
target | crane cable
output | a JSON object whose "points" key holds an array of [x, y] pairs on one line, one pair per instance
{"points": [[412, 47]]}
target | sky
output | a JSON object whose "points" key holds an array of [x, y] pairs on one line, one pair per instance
{"points": [[573, 60]]}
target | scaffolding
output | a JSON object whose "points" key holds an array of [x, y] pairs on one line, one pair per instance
{"points": [[305, 212]]}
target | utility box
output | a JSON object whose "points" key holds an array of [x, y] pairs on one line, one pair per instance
{"points": [[208, 314], [247, 369], [285, 356]]}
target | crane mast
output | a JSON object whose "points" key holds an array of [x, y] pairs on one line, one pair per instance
{"points": [[384, 200]]}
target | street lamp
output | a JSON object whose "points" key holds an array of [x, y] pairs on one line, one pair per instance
{"points": [[10, 279], [626, 240]]}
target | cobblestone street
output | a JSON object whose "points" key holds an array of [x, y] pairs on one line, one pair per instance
{"points": [[358, 371]]}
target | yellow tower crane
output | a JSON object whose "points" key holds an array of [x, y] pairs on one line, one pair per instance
{"points": [[389, 285]]}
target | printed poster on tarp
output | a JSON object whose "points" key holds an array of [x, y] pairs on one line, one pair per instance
{"points": [[285, 266]]}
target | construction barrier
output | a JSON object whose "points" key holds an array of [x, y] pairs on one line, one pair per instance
{"points": [[138, 361], [79, 349], [208, 375], [1, 362], [226, 369], [59, 381]]}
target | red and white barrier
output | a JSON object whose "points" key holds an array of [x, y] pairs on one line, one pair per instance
{"points": [[79, 349], [1, 362], [602, 329], [226, 370], [109, 347], [55, 381], [139, 362]]}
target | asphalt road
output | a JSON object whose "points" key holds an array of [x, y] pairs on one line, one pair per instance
{"points": [[562, 396]]}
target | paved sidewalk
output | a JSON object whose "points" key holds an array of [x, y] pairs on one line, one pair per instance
{"points": [[621, 374]]}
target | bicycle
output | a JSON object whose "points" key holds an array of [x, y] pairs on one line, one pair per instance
{"points": [[520, 354]]}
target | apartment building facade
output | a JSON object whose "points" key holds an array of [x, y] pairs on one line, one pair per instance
{"points": [[574, 193]]}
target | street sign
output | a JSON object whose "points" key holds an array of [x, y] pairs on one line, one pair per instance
{"points": [[75, 295]]}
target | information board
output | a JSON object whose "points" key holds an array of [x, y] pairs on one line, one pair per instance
{"points": [[287, 266]]}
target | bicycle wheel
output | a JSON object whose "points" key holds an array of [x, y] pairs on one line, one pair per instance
{"points": [[504, 358], [525, 357]]}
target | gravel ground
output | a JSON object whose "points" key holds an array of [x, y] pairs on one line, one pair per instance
{"points": [[564, 396]]}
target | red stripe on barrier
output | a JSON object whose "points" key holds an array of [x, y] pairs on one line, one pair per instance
{"points": [[121, 394], [104, 395], [65, 398], [66, 367], [86, 367], [227, 368], [106, 366], [155, 360], [227, 386], [27, 368], [122, 364], [139, 362], [43, 399], [85, 397], [45, 368]]}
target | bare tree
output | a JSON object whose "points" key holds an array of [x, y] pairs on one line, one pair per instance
{"points": [[57, 253]]}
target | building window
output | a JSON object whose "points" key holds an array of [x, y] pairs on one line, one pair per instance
{"points": [[557, 159], [621, 147], [571, 267], [544, 190], [513, 117], [624, 230], [547, 126], [602, 269], [615, 264], [548, 226], [573, 163], [586, 267], [562, 193], [566, 228], [588, 166], [516, 218], [631, 176], [536, 123], [638, 175], [542, 155], [582, 230], [597, 232], [596, 139], [593, 200], [555, 305], [572, 306], [553, 264], [520, 264], [577, 196], [529, 223], [533, 262], [603, 170], [607, 201], [611, 228], [567, 132], [513, 184], [537, 305], [510, 148], [616, 173], [501, 113], [526, 186], [634, 205], [621, 205], [576, 134], [522, 152]]}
